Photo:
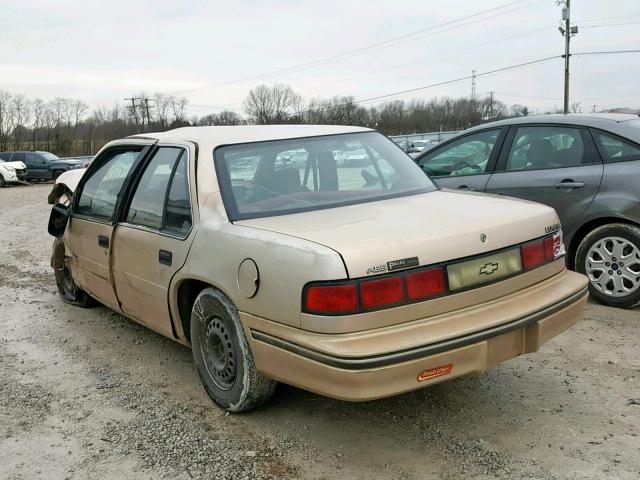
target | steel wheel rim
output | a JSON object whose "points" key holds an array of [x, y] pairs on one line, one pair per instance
{"points": [[68, 284], [613, 266], [218, 354]]}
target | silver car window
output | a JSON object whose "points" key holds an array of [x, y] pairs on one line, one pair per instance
{"points": [[543, 147], [468, 155]]}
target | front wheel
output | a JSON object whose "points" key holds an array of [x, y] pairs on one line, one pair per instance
{"points": [[610, 257], [2, 182], [222, 355]]}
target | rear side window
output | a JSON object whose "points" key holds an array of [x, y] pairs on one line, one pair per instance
{"points": [[19, 157], [544, 147], [100, 192], [615, 149], [178, 210], [161, 198], [5, 156]]}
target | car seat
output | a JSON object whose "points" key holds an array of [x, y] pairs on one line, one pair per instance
{"points": [[540, 154]]}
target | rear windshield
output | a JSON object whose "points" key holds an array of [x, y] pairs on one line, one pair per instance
{"points": [[289, 176]]}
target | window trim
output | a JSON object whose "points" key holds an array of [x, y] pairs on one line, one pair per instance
{"points": [[491, 163], [95, 165], [228, 199], [126, 204], [601, 150], [588, 141]]}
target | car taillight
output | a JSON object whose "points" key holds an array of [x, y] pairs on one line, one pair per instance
{"points": [[533, 254], [381, 293], [542, 251], [425, 284], [332, 299]]}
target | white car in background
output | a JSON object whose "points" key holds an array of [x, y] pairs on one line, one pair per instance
{"points": [[12, 172]]}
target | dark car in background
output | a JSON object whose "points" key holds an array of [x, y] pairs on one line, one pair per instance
{"points": [[585, 166], [42, 165]]}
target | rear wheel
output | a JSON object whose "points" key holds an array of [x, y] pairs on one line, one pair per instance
{"points": [[610, 257], [69, 291], [56, 174], [222, 355], [2, 182]]}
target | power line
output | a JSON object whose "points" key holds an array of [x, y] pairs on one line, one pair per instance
{"points": [[607, 52], [360, 50], [446, 82]]}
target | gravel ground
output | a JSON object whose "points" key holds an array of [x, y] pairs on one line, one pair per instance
{"points": [[87, 394]]}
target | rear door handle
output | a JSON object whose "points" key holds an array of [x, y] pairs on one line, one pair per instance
{"points": [[165, 257], [465, 187], [103, 241], [569, 184]]}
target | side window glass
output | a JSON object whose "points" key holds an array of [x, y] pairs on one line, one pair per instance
{"points": [[100, 192], [538, 148], [616, 149], [34, 159], [177, 217], [147, 203], [19, 157], [467, 156]]}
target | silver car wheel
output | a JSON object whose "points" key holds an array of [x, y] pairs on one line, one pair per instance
{"points": [[613, 266]]}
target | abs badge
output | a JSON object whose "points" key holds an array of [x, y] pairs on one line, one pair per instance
{"points": [[435, 372]]}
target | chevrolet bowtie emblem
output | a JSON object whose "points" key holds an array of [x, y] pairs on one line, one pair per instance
{"points": [[488, 269]]}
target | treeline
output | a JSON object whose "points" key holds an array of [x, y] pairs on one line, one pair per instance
{"points": [[66, 127]]}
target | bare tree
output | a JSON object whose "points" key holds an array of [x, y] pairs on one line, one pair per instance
{"points": [[20, 107], [5, 118]]}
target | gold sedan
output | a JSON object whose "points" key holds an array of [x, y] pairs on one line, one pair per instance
{"points": [[319, 256]]}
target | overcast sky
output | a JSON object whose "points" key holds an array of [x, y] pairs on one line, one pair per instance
{"points": [[101, 52]]}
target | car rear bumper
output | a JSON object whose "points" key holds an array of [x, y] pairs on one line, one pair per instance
{"points": [[372, 364]]}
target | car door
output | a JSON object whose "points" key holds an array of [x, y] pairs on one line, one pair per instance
{"points": [[557, 165], [466, 162], [152, 239], [39, 166], [89, 232]]}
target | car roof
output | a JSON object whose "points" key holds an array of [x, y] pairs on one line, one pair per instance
{"points": [[225, 135], [618, 123]]}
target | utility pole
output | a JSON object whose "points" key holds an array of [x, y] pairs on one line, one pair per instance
{"points": [[491, 93], [473, 86], [567, 31], [146, 105], [133, 109]]}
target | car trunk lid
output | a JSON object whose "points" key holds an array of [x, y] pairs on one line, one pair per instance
{"points": [[418, 230]]}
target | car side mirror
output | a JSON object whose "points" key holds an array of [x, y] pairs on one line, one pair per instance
{"points": [[58, 219]]}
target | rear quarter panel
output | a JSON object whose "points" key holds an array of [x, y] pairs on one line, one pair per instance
{"points": [[285, 264]]}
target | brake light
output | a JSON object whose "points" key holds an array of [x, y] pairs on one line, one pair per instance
{"points": [[332, 299], [425, 284], [548, 248], [381, 293], [533, 254], [542, 251]]}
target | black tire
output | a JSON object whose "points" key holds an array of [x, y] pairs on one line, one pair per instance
{"points": [[56, 173], [222, 355], [609, 289], [2, 182], [69, 291]]}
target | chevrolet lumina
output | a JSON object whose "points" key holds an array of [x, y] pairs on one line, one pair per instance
{"points": [[276, 258]]}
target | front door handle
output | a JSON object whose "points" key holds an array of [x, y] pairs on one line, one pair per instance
{"points": [[568, 183], [165, 257], [466, 187], [103, 241]]}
